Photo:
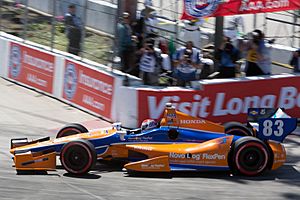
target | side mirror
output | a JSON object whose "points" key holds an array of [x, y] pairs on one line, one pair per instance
{"points": [[122, 135], [117, 125]]}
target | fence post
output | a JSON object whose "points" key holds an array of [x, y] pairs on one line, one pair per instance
{"points": [[1, 3], [177, 22], [53, 28], [218, 37], [24, 35], [85, 7]]}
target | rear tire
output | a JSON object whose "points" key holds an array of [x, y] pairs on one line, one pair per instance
{"points": [[78, 157], [237, 128], [71, 129], [250, 156]]}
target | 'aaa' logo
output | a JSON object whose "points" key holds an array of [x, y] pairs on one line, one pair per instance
{"points": [[201, 8], [15, 61], [70, 81]]}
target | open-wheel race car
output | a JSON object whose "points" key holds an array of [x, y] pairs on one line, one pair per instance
{"points": [[177, 142]]}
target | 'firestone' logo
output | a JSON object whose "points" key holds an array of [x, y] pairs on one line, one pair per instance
{"points": [[70, 81], [15, 61], [201, 8]]}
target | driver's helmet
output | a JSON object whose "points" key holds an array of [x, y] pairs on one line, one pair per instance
{"points": [[148, 124]]}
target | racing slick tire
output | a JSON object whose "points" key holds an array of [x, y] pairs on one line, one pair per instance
{"points": [[78, 157], [250, 156], [237, 128], [71, 129]]}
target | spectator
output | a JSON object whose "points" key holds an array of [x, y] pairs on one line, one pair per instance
{"points": [[149, 63], [73, 30], [182, 52], [258, 61], [295, 61], [196, 59], [185, 71], [140, 26], [125, 42], [192, 32], [227, 55], [234, 28]]}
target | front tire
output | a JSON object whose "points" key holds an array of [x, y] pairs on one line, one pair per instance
{"points": [[78, 157], [250, 156], [71, 129]]}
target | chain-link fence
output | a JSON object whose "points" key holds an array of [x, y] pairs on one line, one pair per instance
{"points": [[43, 22]]}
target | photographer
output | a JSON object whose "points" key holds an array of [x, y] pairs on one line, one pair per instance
{"points": [[186, 70], [258, 61], [227, 55], [149, 63]]}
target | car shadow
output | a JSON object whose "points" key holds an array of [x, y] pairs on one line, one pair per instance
{"points": [[89, 175], [286, 174]]}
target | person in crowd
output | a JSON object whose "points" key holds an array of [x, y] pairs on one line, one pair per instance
{"points": [[227, 55], [197, 60], [149, 63], [125, 42], [181, 52], [295, 61], [234, 27], [73, 30], [258, 59], [186, 71], [191, 31], [139, 27]]}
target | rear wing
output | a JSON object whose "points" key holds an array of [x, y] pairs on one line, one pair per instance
{"points": [[276, 128], [271, 123]]}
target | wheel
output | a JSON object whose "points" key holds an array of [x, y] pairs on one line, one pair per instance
{"points": [[78, 157], [236, 128], [250, 156], [71, 129]]}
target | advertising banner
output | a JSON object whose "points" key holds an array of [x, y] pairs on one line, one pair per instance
{"points": [[88, 88], [212, 8], [31, 67], [222, 102]]}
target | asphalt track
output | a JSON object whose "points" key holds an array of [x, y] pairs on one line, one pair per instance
{"points": [[26, 113]]}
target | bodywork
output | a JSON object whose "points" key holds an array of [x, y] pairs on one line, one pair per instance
{"points": [[181, 142]]}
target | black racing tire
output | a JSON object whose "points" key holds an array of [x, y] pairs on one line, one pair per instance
{"points": [[237, 128], [250, 156], [78, 157], [71, 129]]}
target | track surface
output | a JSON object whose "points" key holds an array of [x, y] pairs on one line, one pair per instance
{"points": [[25, 113]]}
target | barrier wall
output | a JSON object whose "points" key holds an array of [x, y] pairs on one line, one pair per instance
{"points": [[71, 81], [222, 101], [102, 92]]}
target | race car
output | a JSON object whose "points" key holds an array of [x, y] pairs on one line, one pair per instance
{"points": [[177, 142]]}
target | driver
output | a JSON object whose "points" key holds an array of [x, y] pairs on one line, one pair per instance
{"points": [[148, 124]]}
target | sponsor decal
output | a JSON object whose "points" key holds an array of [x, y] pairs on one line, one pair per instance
{"points": [[198, 156], [192, 121], [141, 139], [31, 67], [212, 8], [201, 8], [144, 148], [225, 101], [88, 88], [70, 81], [249, 5], [152, 166]]}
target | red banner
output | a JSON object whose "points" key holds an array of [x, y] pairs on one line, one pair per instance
{"points": [[222, 102], [31, 67], [88, 88], [212, 8]]}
